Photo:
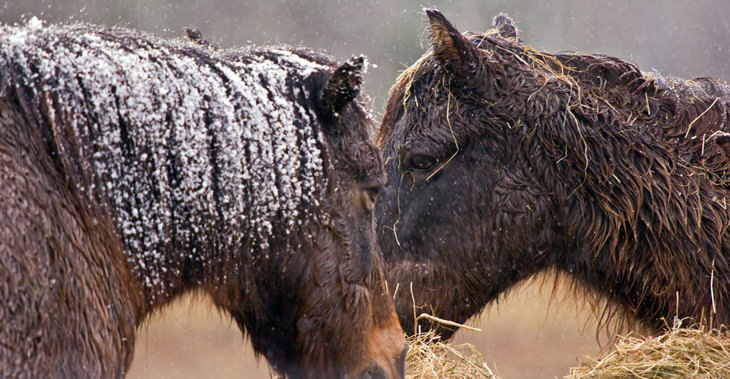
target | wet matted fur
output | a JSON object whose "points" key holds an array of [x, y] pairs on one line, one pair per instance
{"points": [[504, 162]]}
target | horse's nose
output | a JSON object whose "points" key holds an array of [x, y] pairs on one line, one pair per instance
{"points": [[373, 372]]}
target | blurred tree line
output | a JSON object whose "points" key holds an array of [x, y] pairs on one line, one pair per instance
{"points": [[674, 37]]}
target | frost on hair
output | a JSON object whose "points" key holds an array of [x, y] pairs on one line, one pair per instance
{"points": [[172, 137]]}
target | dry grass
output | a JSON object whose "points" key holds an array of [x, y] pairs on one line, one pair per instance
{"points": [[429, 358], [679, 353]]}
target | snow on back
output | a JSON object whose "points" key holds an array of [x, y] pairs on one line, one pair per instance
{"points": [[188, 150]]}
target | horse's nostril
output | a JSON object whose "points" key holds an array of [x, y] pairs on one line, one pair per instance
{"points": [[373, 372]]}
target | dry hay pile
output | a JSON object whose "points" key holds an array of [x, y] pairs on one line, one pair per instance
{"points": [[679, 353], [429, 358]]}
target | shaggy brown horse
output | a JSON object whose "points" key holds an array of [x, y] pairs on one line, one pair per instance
{"points": [[504, 162], [134, 170]]}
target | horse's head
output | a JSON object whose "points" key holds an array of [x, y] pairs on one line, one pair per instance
{"points": [[322, 309], [469, 209]]}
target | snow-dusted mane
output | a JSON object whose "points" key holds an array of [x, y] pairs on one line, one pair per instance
{"points": [[167, 127]]}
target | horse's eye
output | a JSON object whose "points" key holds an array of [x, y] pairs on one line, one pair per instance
{"points": [[422, 162]]}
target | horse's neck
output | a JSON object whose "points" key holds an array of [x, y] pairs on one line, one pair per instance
{"points": [[654, 275], [188, 203], [186, 193]]}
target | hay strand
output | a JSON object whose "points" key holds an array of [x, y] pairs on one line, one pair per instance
{"points": [[446, 322]]}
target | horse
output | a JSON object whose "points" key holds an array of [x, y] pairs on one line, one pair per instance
{"points": [[504, 162], [134, 170]]}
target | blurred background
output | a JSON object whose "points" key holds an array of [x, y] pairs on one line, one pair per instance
{"points": [[675, 37], [525, 336]]}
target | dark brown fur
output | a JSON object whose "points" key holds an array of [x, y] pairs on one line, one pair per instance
{"points": [[86, 253], [504, 162], [69, 302]]}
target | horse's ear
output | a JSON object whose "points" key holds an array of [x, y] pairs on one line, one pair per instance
{"points": [[505, 26], [722, 139], [343, 86], [453, 51]]}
